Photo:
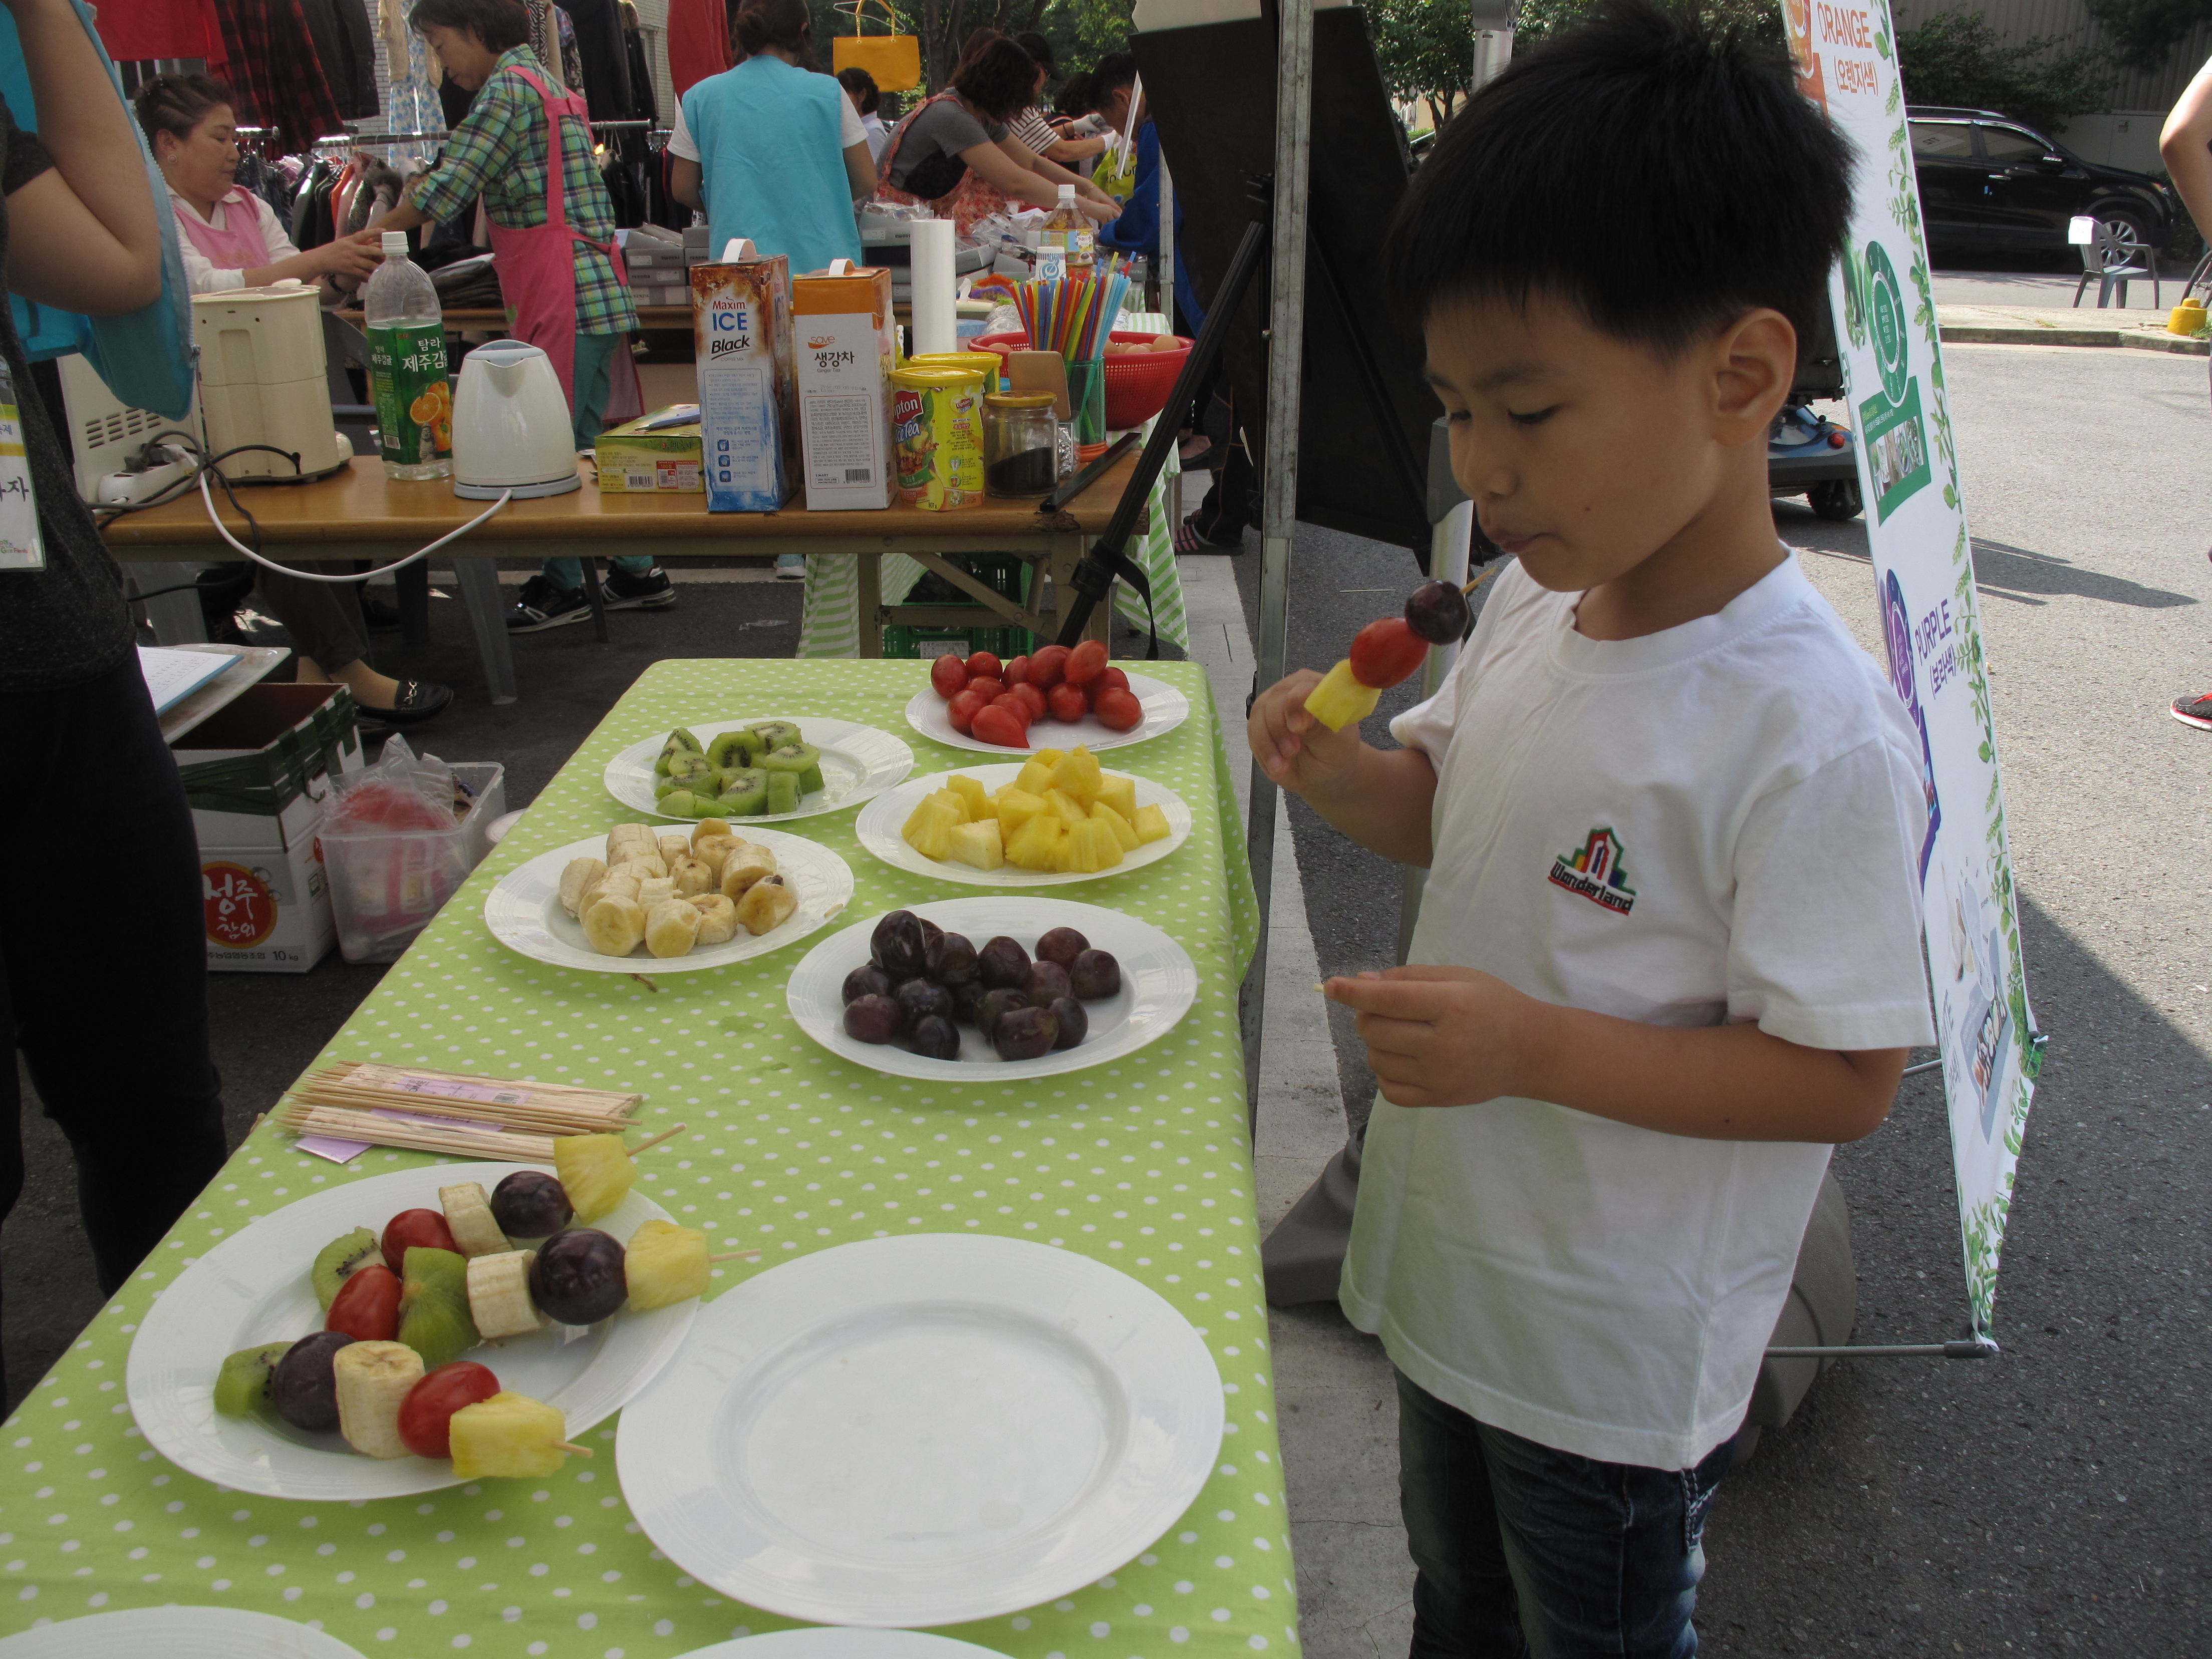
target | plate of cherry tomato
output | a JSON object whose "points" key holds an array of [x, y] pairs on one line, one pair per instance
{"points": [[1054, 699]]}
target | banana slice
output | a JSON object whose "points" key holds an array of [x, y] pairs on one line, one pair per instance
{"points": [[580, 874], [712, 829], [742, 868], [469, 1218], [642, 863], [499, 1295], [615, 927], [670, 929], [692, 876], [673, 847], [373, 1379], [656, 890], [768, 903], [625, 836], [718, 917]]}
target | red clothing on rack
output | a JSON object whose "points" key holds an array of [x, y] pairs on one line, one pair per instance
{"points": [[133, 29], [274, 72], [698, 42]]}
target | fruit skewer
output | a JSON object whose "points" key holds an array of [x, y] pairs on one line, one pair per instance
{"points": [[1387, 652]]}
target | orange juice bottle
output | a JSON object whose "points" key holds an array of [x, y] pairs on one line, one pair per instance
{"points": [[1066, 242]]}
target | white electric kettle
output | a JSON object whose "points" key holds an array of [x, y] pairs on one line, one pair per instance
{"points": [[511, 426]]}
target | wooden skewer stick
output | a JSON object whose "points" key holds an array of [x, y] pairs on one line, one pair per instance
{"points": [[647, 983], [580, 1452], [1483, 577], [736, 1256], [665, 1134]]}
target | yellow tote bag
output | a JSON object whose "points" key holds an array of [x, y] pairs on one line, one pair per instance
{"points": [[894, 59]]}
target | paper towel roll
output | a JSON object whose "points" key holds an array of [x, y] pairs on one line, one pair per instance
{"points": [[931, 274]]}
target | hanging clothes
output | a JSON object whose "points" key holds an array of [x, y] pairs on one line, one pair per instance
{"points": [[698, 43], [138, 29], [642, 106], [346, 48], [276, 77], [606, 69]]}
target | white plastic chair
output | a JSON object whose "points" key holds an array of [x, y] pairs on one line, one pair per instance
{"points": [[2112, 260]]}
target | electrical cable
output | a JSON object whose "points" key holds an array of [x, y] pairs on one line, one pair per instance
{"points": [[208, 496]]}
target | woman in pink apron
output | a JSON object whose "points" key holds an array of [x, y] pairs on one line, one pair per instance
{"points": [[525, 150], [232, 240]]}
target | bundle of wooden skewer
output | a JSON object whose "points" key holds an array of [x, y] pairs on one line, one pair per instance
{"points": [[510, 1120]]}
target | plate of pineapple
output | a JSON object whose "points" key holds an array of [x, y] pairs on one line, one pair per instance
{"points": [[1050, 820], [654, 899], [410, 1331]]}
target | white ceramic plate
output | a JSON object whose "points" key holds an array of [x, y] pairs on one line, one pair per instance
{"points": [[858, 763], [253, 1287], [1159, 982], [882, 818], [819, 1642], [923, 1431], [174, 1632], [1165, 708], [525, 914]]}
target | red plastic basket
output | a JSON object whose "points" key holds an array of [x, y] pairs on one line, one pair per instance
{"points": [[1136, 384]]}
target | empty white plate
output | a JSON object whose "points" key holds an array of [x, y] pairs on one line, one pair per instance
{"points": [[923, 1431], [178, 1633], [819, 1642]]}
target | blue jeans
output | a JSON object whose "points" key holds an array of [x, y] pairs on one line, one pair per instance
{"points": [[1523, 1550], [594, 356]]}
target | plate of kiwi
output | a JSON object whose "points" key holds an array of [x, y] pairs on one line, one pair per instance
{"points": [[758, 770]]}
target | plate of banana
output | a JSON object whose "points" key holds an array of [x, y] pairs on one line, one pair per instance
{"points": [[652, 898], [758, 770], [298, 1360]]}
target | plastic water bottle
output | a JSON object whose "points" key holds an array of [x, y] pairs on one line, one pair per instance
{"points": [[1066, 246], [407, 367]]}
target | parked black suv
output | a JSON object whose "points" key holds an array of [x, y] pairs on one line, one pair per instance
{"points": [[1989, 182]]}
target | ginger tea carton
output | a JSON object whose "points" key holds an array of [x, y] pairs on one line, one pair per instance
{"points": [[848, 345]]}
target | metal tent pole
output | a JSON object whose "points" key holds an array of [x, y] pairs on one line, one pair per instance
{"points": [[1279, 468], [1166, 272]]}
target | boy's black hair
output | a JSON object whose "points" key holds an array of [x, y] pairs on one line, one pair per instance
{"points": [[1660, 177]]}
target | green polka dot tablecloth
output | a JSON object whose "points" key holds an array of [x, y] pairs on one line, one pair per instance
{"points": [[1150, 1172]]}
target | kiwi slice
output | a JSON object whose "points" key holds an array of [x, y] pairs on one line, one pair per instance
{"points": [[680, 742], [783, 792], [732, 750], [691, 768], [679, 803], [664, 787], [777, 734], [811, 780], [434, 1306], [746, 795], [241, 1387], [793, 757], [340, 1260]]}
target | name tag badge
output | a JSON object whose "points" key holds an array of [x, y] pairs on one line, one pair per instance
{"points": [[19, 507]]}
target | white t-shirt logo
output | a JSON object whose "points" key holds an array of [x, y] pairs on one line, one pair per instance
{"points": [[1598, 871]]}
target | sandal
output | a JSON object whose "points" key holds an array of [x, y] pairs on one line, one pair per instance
{"points": [[1188, 539]]}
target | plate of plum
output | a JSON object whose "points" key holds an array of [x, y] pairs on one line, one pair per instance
{"points": [[1006, 985]]}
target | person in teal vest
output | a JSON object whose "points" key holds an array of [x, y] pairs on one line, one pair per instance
{"points": [[771, 150]]}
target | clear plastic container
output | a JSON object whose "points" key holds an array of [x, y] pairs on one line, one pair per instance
{"points": [[1066, 243], [414, 397], [386, 886]]}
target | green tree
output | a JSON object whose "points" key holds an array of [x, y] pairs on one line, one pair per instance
{"points": [[2144, 32], [1957, 58], [1426, 49], [1759, 20]]}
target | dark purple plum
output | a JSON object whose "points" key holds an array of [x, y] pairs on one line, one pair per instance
{"points": [[529, 1204], [1062, 945], [931, 932], [873, 1019], [996, 1003], [577, 1277], [1047, 982], [899, 944], [1002, 963], [304, 1387], [936, 1037], [1074, 1024], [1438, 611], [1024, 1033], [866, 981], [950, 960], [919, 999], [1096, 974], [967, 997]]}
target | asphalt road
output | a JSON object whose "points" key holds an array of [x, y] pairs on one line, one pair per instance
{"points": [[2051, 1500]]}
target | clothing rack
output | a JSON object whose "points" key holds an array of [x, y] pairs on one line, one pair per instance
{"points": [[378, 141]]}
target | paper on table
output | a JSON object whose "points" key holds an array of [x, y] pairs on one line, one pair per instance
{"points": [[344, 1151], [172, 676]]}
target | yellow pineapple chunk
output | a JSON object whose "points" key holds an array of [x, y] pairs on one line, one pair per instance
{"points": [[1092, 847], [1016, 808], [1119, 792], [1063, 856], [1340, 699], [1071, 810], [953, 801], [595, 1172], [508, 1435], [1151, 823], [1123, 835], [978, 844], [1049, 758], [1077, 776], [929, 831], [664, 1264], [971, 791], [1034, 779], [1033, 845]]}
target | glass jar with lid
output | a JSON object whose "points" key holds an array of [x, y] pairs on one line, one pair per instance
{"points": [[1020, 445]]}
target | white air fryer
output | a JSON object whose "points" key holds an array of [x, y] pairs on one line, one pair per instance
{"points": [[511, 427]]}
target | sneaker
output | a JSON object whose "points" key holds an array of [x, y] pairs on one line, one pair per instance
{"points": [[2194, 711], [545, 604], [647, 590], [791, 567]]}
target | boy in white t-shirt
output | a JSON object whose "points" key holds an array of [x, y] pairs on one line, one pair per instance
{"points": [[1672, 815]]}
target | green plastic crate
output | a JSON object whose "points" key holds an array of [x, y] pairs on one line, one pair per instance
{"points": [[1001, 573]]}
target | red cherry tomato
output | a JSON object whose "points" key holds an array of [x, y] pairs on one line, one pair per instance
{"points": [[411, 1227], [1049, 667], [1014, 704], [1032, 699], [1002, 726], [1068, 703], [1017, 672], [368, 1306], [1111, 677], [426, 1416], [1085, 663], [1383, 652], [1118, 710], [989, 685], [960, 711], [947, 675], [985, 667]]}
